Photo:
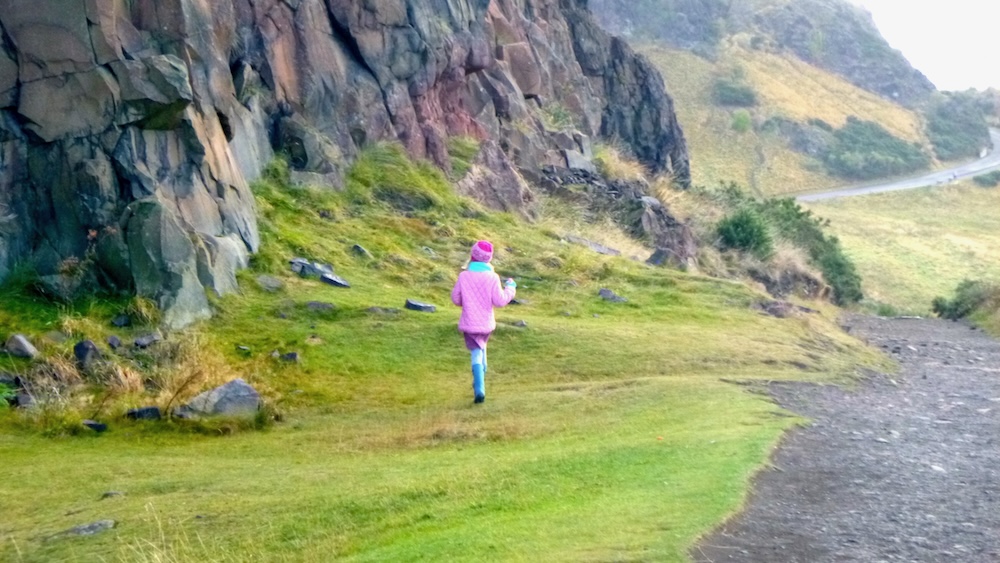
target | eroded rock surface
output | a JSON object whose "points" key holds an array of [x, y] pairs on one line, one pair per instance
{"points": [[129, 129]]}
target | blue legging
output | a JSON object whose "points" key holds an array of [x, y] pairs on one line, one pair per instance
{"points": [[479, 372]]}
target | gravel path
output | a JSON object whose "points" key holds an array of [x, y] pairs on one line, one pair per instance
{"points": [[901, 468]]}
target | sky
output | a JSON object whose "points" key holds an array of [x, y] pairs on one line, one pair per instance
{"points": [[950, 41]]}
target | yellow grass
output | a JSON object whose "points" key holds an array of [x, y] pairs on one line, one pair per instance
{"points": [[912, 246], [786, 87]]}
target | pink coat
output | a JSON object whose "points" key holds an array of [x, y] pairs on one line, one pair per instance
{"points": [[477, 293]]}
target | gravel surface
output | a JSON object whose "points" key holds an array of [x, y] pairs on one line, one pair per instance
{"points": [[901, 468]]}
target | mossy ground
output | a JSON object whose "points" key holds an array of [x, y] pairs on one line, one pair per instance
{"points": [[610, 431]]}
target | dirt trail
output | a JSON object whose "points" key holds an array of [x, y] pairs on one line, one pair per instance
{"points": [[901, 468]]}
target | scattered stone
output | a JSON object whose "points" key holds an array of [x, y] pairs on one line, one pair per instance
{"points": [[24, 400], [114, 342], [429, 251], [270, 284], [146, 341], [521, 324], [8, 380], [88, 529], [320, 306], [362, 252], [244, 349], [421, 307], [307, 269], [325, 214], [121, 321], [86, 353], [291, 357], [610, 296], [111, 494], [336, 281], [275, 354], [144, 413], [236, 398], [781, 309], [19, 346], [95, 426], [520, 302]]}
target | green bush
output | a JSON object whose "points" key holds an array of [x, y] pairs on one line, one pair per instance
{"points": [[786, 220], [988, 180], [969, 297], [745, 230], [956, 126], [863, 150], [741, 121], [730, 92]]}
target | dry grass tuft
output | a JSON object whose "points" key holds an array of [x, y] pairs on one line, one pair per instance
{"points": [[614, 164], [144, 311]]}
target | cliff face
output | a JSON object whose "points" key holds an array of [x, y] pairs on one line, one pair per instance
{"points": [[129, 129]]}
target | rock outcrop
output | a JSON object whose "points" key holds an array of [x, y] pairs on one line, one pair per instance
{"points": [[129, 130]]}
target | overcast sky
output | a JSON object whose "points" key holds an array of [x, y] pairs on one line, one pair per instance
{"points": [[953, 42]]}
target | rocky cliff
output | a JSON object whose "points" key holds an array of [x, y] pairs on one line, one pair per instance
{"points": [[129, 129]]}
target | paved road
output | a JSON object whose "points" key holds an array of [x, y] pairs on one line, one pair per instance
{"points": [[989, 163]]}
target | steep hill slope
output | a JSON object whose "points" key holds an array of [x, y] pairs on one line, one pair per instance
{"points": [[779, 151]]}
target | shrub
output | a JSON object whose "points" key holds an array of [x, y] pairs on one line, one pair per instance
{"points": [[969, 297], [956, 126], [745, 230], [988, 180], [731, 92], [863, 150], [741, 121]]}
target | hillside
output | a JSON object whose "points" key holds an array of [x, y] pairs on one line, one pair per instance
{"points": [[777, 153], [610, 430]]}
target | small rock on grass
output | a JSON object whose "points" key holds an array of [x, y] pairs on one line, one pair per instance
{"points": [[270, 284], [111, 494], [611, 296], [334, 280], [121, 321], [95, 426], [144, 413], [419, 306], [88, 529], [114, 342], [86, 353], [361, 251], [147, 340], [19, 346]]}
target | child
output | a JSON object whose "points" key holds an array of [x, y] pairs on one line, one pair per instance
{"points": [[477, 291]]}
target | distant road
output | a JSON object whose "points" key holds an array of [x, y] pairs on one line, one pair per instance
{"points": [[986, 164]]}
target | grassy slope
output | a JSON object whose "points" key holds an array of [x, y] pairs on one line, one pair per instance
{"points": [[916, 245], [786, 87], [607, 433]]}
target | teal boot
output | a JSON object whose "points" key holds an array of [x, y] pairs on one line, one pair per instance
{"points": [[479, 382]]}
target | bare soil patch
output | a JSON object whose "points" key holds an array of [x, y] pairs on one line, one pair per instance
{"points": [[903, 467]]}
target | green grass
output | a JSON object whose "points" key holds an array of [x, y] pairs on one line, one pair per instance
{"points": [[608, 432], [915, 245]]}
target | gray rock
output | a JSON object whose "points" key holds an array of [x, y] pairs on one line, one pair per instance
{"points": [[521, 324], [114, 342], [382, 311], [24, 400], [291, 357], [335, 281], [596, 247], [147, 340], [95, 426], [421, 307], [144, 413], [270, 283], [320, 306], [611, 296], [19, 346], [361, 251], [121, 321], [89, 529], [111, 494], [236, 398], [86, 353]]}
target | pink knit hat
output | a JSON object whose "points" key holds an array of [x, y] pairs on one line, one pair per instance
{"points": [[482, 251]]}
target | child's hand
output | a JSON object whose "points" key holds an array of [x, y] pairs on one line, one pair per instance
{"points": [[510, 283]]}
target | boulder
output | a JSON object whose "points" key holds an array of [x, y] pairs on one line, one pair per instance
{"points": [[19, 346], [144, 413], [335, 281], [236, 398], [419, 306], [611, 296], [86, 353]]}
